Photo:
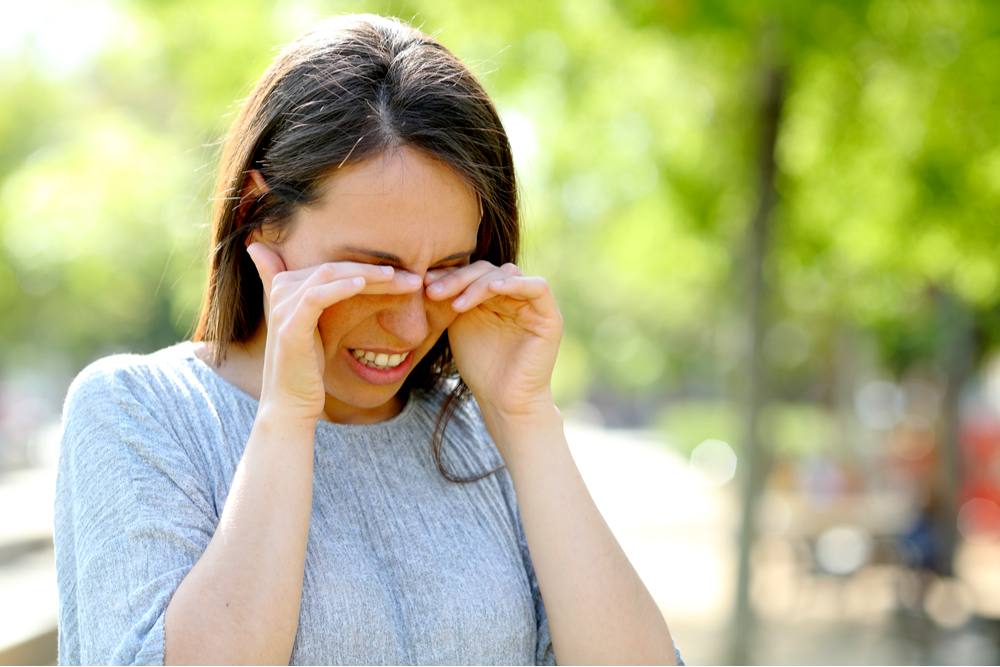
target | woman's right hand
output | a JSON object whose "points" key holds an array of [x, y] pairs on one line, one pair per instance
{"points": [[294, 359]]}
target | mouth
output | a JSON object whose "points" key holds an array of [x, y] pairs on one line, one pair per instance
{"points": [[380, 361]]}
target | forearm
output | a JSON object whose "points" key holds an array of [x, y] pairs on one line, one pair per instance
{"points": [[599, 610], [240, 603]]}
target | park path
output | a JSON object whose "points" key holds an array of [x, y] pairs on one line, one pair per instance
{"points": [[678, 532]]}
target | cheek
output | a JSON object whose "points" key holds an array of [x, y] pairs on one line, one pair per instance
{"points": [[340, 318], [439, 316]]}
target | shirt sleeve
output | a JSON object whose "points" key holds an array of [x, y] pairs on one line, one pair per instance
{"points": [[133, 515]]}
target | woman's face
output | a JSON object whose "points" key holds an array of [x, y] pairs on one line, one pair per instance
{"points": [[404, 210]]}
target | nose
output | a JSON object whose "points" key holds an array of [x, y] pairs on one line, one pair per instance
{"points": [[406, 318]]}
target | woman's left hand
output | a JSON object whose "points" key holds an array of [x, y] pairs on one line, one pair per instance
{"points": [[505, 338]]}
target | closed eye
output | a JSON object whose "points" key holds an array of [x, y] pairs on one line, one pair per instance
{"points": [[456, 265], [457, 260]]}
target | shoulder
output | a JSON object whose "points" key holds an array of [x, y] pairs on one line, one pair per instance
{"points": [[132, 387], [132, 373], [132, 421]]}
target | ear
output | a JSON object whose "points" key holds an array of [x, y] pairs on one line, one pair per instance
{"points": [[254, 187], [265, 236], [255, 236]]}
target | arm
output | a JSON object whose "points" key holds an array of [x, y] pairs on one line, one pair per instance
{"points": [[599, 610], [505, 342], [240, 602]]}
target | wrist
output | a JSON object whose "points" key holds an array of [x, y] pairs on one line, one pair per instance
{"points": [[511, 429], [527, 412], [291, 422]]}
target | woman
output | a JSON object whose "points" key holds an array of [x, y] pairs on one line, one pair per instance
{"points": [[307, 481]]}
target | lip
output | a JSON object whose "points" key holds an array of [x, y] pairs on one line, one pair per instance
{"points": [[377, 376]]}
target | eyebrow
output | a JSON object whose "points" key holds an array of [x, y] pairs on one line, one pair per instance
{"points": [[395, 259]]}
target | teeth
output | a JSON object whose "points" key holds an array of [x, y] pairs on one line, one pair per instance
{"points": [[380, 361]]}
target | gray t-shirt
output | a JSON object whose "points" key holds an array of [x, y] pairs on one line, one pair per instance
{"points": [[402, 566]]}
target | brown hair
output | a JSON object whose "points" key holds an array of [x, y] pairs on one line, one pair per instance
{"points": [[349, 90]]}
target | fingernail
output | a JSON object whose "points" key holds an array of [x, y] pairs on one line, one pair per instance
{"points": [[414, 279], [431, 275], [459, 302], [359, 282], [497, 283], [387, 270], [437, 288]]}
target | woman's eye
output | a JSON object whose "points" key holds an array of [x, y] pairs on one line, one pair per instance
{"points": [[445, 267]]}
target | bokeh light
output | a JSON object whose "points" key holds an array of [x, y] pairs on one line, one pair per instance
{"points": [[713, 462]]}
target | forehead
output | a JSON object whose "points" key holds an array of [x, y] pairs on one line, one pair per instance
{"points": [[402, 203]]}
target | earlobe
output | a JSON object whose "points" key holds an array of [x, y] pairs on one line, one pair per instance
{"points": [[260, 235], [254, 236]]}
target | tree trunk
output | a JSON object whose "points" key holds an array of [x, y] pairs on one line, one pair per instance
{"points": [[753, 469], [958, 358]]}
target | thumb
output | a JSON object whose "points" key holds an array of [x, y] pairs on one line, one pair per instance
{"points": [[268, 263]]}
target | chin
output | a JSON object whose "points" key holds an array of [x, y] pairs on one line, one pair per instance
{"points": [[363, 398]]}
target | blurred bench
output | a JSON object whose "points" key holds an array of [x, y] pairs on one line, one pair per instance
{"points": [[29, 602]]}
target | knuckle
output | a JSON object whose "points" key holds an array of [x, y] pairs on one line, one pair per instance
{"points": [[280, 314], [510, 269], [309, 298], [279, 292]]}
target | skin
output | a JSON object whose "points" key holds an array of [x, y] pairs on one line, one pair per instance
{"points": [[381, 264]]}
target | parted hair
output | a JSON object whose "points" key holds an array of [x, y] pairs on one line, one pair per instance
{"points": [[351, 89]]}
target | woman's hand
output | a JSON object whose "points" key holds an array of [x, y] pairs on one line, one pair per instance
{"points": [[294, 359], [506, 336]]}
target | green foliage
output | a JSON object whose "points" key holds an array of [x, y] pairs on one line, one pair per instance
{"points": [[634, 124], [800, 430], [687, 424]]}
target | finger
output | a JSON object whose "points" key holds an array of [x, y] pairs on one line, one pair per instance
{"points": [[372, 273], [268, 263], [437, 274], [402, 282], [533, 289], [451, 283], [314, 300], [478, 292]]}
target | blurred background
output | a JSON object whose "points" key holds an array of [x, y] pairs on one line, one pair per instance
{"points": [[771, 226]]}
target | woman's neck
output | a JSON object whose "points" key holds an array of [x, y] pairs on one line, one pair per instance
{"points": [[242, 366]]}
